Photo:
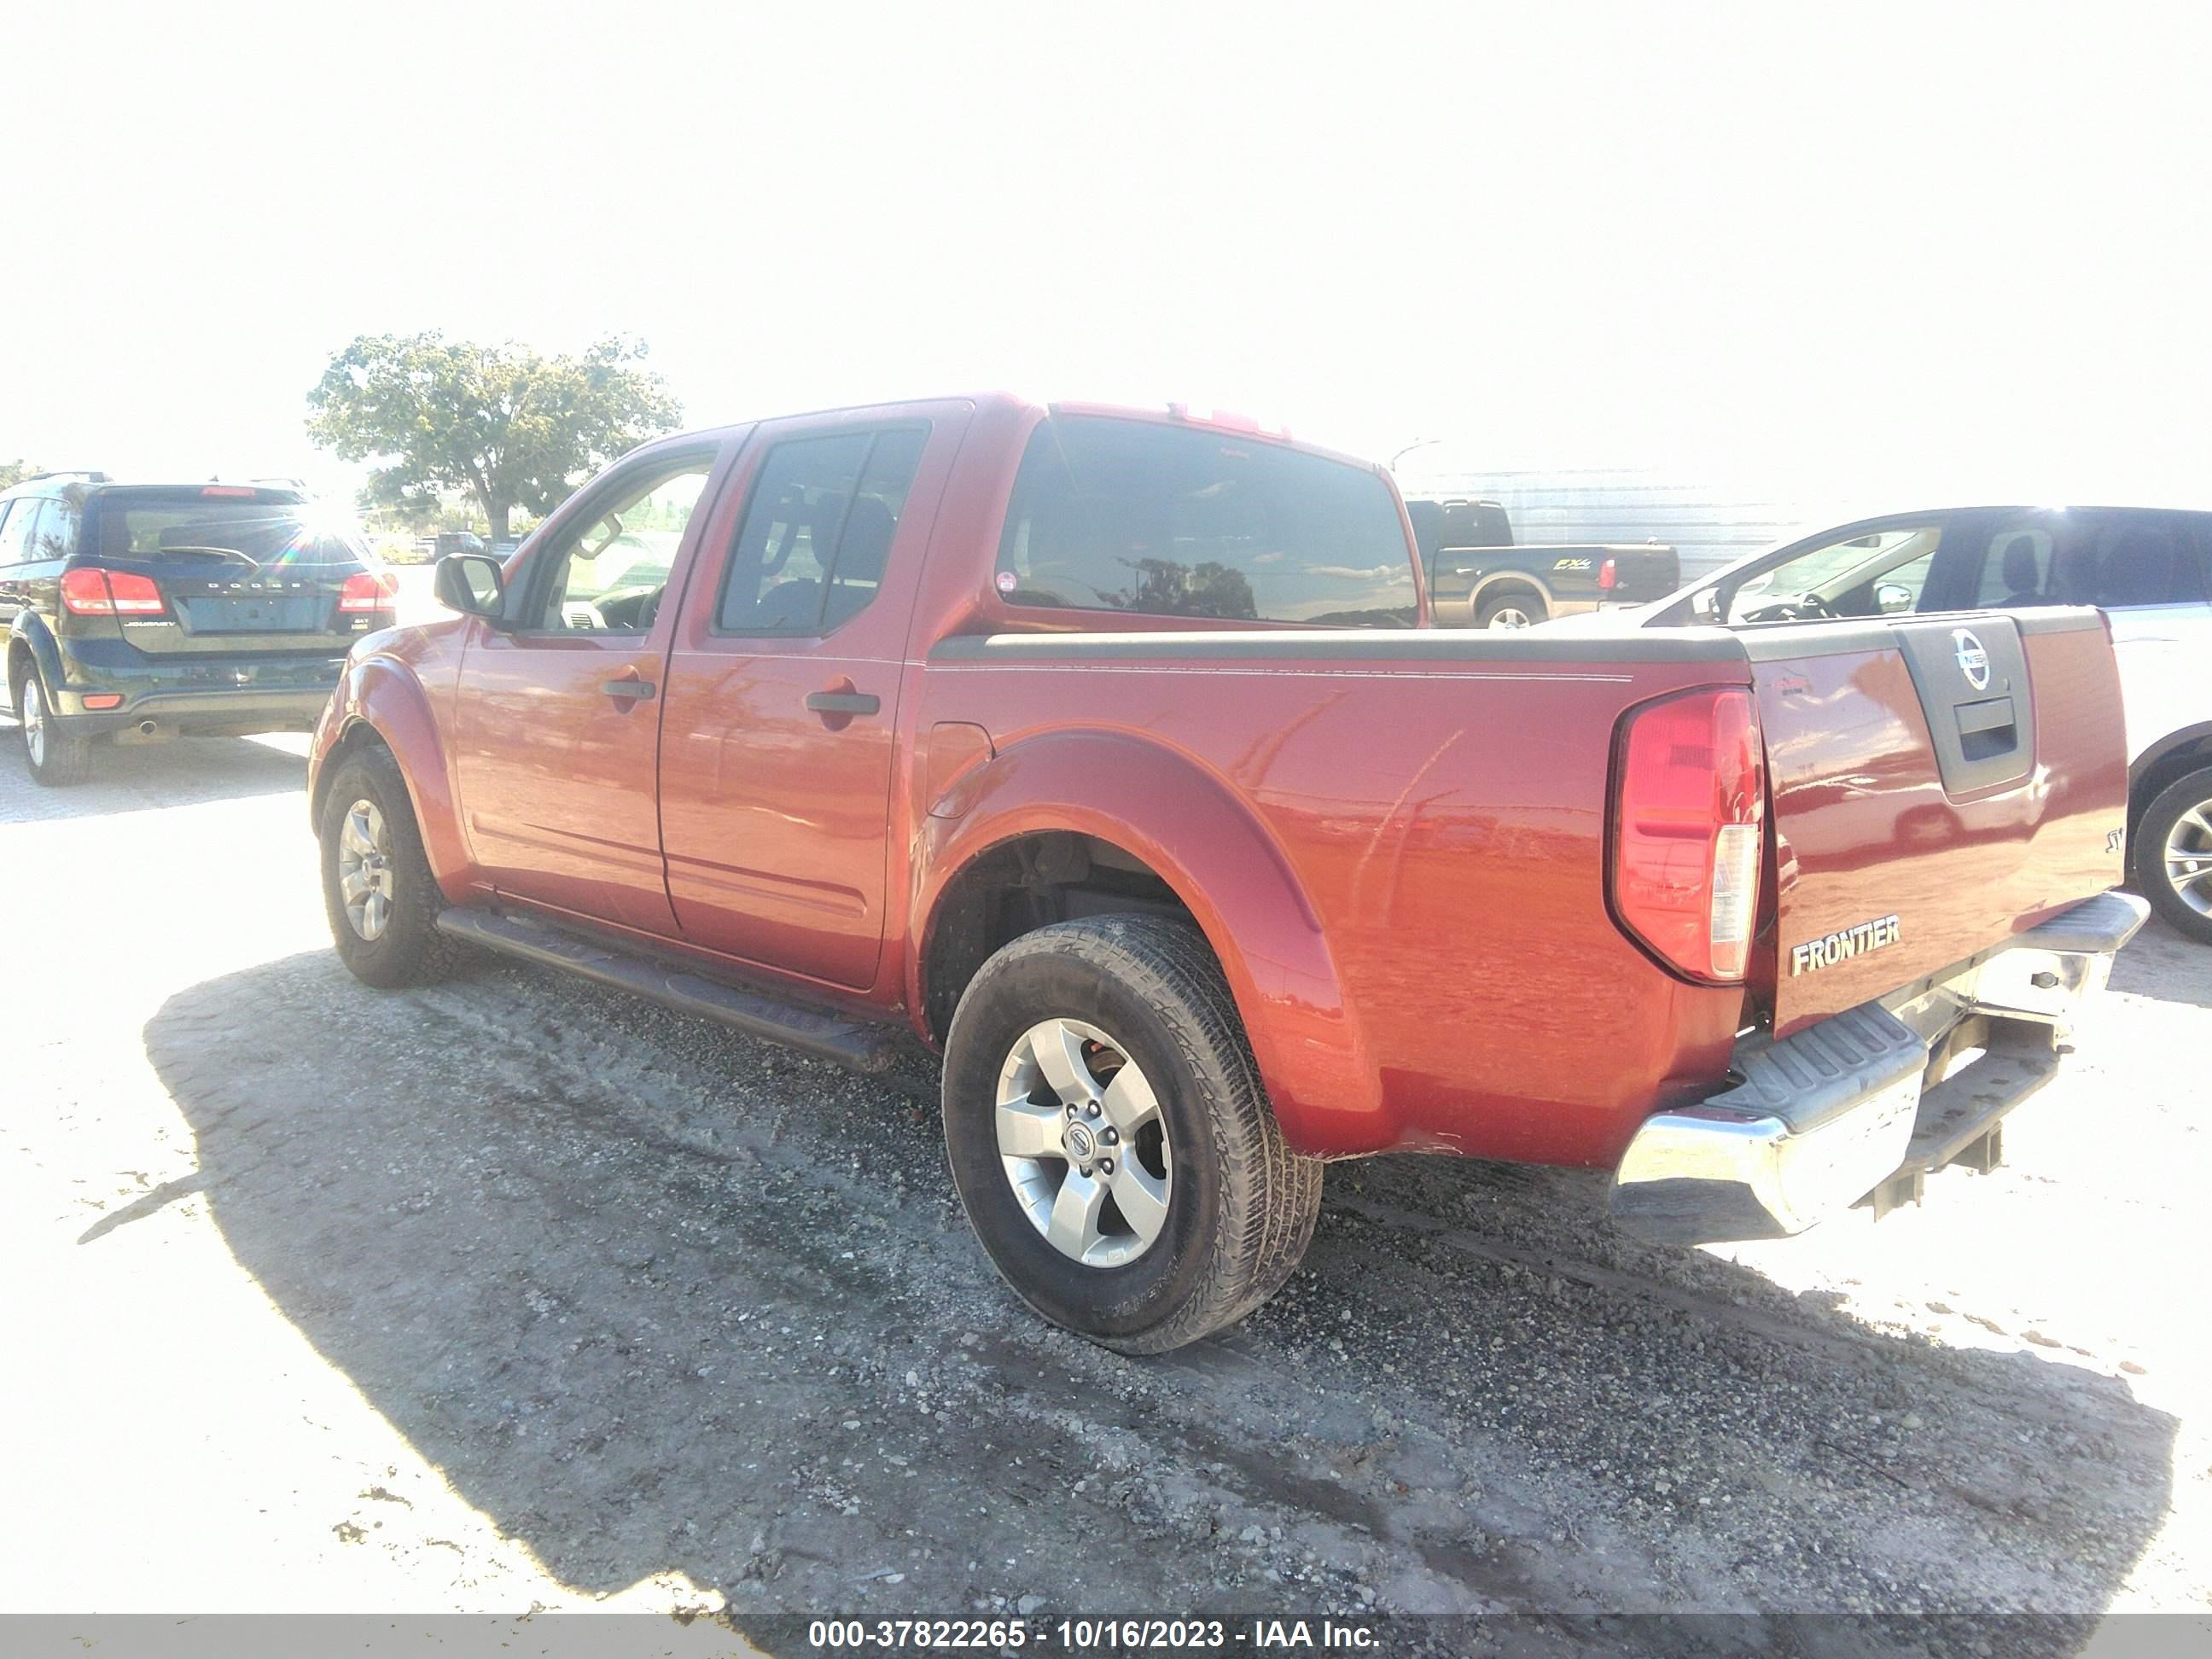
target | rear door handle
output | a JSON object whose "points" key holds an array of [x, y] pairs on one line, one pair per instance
{"points": [[843, 702], [639, 689]]}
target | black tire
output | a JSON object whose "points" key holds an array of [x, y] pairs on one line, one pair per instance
{"points": [[1530, 605], [56, 758], [2159, 823], [1242, 1205], [408, 948]]}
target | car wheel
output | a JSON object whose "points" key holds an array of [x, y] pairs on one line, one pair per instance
{"points": [[1110, 1138], [57, 757], [1511, 610], [382, 901], [2174, 854]]}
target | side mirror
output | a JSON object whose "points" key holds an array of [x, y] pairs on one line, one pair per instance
{"points": [[1705, 604], [1889, 599], [469, 583]]}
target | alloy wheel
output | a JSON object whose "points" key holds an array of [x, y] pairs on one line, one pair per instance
{"points": [[2189, 858], [367, 880], [34, 719], [1084, 1143]]}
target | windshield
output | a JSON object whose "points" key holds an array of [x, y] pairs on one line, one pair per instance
{"points": [[1879, 573], [1112, 514]]}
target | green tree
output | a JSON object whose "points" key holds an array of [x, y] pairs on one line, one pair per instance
{"points": [[498, 424], [13, 472]]}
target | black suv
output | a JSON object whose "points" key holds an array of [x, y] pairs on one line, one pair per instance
{"points": [[136, 612]]}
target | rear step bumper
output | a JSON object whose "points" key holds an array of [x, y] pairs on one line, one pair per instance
{"points": [[1868, 1101], [860, 1044]]}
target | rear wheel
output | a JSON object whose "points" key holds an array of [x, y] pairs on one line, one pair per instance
{"points": [[57, 757], [1110, 1138], [381, 899], [2174, 854], [1515, 609]]}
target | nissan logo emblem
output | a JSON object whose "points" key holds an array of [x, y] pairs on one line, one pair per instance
{"points": [[1973, 661]]}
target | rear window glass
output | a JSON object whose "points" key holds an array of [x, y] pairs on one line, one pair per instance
{"points": [[273, 535], [1123, 515]]}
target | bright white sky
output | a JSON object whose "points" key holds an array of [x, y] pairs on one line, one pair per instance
{"points": [[1941, 245]]}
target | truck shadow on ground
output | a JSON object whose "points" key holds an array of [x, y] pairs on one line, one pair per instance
{"points": [[186, 772], [655, 1298], [2161, 962]]}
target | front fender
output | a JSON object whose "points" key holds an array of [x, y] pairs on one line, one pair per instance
{"points": [[1206, 844], [384, 696]]}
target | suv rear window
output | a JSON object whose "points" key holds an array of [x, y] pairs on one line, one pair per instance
{"points": [[282, 535], [1124, 515]]}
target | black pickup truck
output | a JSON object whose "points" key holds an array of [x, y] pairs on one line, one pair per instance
{"points": [[1479, 579]]}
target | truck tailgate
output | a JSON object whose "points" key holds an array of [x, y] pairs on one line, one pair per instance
{"points": [[1937, 784], [1642, 574]]}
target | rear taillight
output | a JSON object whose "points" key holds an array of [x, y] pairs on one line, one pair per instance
{"points": [[1689, 810], [1608, 576], [89, 590], [366, 591]]}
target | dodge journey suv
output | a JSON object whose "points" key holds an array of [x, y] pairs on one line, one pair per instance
{"points": [[138, 612]]}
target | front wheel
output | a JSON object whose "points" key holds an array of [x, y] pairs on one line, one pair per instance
{"points": [[1110, 1138], [2174, 854], [382, 900]]}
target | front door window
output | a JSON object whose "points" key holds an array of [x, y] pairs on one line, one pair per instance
{"points": [[609, 574]]}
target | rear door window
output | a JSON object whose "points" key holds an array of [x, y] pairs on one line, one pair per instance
{"points": [[2139, 559], [1124, 515], [811, 552], [52, 532], [15, 529]]}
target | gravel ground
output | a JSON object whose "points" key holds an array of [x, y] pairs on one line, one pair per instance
{"points": [[513, 1292]]}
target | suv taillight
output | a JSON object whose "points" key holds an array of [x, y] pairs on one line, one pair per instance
{"points": [[366, 591], [89, 590], [1689, 808], [1608, 576]]}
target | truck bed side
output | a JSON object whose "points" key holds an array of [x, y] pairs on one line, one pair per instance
{"points": [[1439, 801]]}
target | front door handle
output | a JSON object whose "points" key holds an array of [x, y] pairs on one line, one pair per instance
{"points": [[843, 702], [637, 690]]}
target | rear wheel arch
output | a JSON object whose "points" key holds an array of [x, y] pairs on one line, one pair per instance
{"points": [[1067, 798], [1510, 585], [31, 647]]}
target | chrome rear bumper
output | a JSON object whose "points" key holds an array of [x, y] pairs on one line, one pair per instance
{"points": [[1824, 1117]]}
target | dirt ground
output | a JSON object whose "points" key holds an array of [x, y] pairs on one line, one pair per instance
{"points": [[513, 1292]]}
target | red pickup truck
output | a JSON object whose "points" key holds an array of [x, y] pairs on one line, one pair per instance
{"points": [[1107, 752]]}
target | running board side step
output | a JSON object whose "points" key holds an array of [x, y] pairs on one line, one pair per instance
{"points": [[864, 1046]]}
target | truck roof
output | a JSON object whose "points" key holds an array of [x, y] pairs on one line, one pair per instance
{"points": [[1163, 414]]}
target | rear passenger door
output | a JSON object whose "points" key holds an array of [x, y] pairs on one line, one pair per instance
{"points": [[16, 518], [778, 740]]}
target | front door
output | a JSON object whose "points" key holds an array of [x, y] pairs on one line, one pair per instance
{"points": [[558, 718], [783, 687]]}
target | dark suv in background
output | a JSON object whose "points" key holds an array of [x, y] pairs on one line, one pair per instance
{"points": [[134, 612]]}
